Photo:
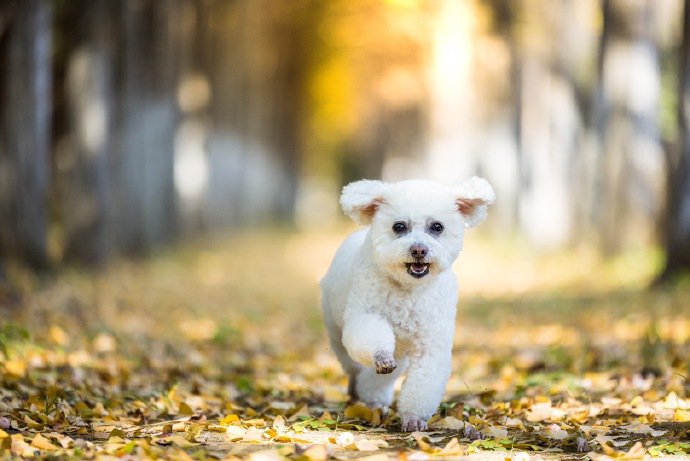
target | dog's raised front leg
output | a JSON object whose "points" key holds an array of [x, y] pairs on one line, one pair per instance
{"points": [[370, 341], [423, 389], [377, 389]]}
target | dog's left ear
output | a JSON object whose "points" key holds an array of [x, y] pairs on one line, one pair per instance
{"points": [[361, 199], [473, 196]]}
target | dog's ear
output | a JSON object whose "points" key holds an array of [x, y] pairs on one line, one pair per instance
{"points": [[361, 199], [473, 196]]}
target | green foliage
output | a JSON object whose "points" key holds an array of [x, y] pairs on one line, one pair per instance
{"points": [[11, 334]]}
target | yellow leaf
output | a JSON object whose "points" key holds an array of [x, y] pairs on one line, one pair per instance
{"points": [[179, 455], [316, 453], [229, 419], [21, 448], [259, 422], [359, 411], [16, 367], [3, 434], [681, 415], [43, 443], [636, 452], [192, 431], [326, 416], [452, 448], [185, 409], [33, 424], [58, 335], [421, 442], [64, 440], [216, 428]]}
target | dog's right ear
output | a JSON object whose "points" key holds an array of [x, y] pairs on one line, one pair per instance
{"points": [[361, 199]]}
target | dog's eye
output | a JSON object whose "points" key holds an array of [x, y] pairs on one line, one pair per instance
{"points": [[399, 227], [436, 227]]}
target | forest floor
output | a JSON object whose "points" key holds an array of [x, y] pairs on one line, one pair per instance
{"points": [[216, 349]]}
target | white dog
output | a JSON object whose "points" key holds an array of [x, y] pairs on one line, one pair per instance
{"points": [[389, 297]]}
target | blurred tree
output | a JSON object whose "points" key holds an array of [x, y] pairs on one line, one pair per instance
{"points": [[677, 228], [25, 107], [630, 164], [84, 72], [257, 77], [146, 120]]}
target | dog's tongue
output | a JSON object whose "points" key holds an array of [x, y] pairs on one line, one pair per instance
{"points": [[418, 267]]}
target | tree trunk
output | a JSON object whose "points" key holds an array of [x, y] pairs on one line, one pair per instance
{"points": [[145, 121], [25, 104], [632, 174], [677, 243], [82, 155]]}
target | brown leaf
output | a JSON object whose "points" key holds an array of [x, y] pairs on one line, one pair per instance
{"points": [[301, 411]]}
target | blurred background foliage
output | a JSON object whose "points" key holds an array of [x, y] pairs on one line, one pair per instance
{"points": [[127, 125]]}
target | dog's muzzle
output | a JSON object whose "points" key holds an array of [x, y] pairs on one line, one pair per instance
{"points": [[417, 269]]}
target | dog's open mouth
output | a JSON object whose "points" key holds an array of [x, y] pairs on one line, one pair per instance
{"points": [[417, 269]]}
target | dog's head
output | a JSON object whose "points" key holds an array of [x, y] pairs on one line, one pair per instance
{"points": [[417, 227]]}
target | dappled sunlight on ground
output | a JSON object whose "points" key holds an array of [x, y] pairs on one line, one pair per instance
{"points": [[217, 348]]}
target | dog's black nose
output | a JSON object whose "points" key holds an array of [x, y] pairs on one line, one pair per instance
{"points": [[419, 250]]}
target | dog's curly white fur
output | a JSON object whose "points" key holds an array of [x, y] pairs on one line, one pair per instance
{"points": [[389, 297]]}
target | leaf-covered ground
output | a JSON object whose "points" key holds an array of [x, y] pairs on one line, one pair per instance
{"points": [[216, 350]]}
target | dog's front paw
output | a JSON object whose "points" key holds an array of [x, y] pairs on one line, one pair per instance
{"points": [[384, 363], [413, 424]]}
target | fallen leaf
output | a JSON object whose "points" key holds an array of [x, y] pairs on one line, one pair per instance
{"points": [[43, 443], [370, 444], [266, 455], [15, 367], [229, 419], [316, 453], [302, 411], [555, 432], [253, 435], [176, 440], [58, 335], [359, 411], [449, 422], [21, 448], [234, 433], [452, 448], [681, 415]]}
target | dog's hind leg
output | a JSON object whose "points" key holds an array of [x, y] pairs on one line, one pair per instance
{"points": [[352, 387], [350, 367]]}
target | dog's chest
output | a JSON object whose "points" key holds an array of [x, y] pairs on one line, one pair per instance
{"points": [[406, 314]]}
